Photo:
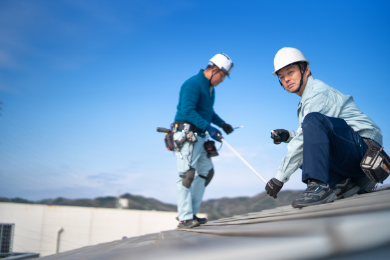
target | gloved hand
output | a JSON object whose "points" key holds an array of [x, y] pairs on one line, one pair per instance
{"points": [[213, 132], [281, 136], [273, 187], [227, 128]]}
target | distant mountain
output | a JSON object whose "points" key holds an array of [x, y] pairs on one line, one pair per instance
{"points": [[135, 202], [139, 202], [215, 208], [227, 207]]}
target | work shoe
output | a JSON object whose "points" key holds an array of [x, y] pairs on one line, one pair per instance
{"points": [[316, 193], [345, 189], [201, 220], [189, 223]]}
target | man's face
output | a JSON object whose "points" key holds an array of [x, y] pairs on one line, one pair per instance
{"points": [[290, 77], [218, 77]]}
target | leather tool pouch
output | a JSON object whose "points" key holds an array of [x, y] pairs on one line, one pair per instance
{"points": [[210, 148], [168, 137], [169, 141], [375, 162]]}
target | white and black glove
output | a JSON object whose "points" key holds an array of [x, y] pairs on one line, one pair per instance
{"points": [[280, 135]]}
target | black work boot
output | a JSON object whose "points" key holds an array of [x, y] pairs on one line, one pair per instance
{"points": [[201, 220], [345, 189], [316, 193], [189, 223]]}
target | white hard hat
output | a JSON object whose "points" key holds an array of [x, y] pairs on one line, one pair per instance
{"points": [[223, 62], [287, 56]]}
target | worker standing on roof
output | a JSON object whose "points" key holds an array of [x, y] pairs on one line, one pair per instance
{"points": [[331, 139], [194, 116]]}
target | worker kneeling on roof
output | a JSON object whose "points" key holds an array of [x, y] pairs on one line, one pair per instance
{"points": [[331, 140], [194, 116]]}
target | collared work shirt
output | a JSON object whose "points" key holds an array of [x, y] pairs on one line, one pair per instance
{"points": [[319, 97], [196, 102]]}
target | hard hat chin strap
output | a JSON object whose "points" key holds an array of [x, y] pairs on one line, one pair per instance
{"points": [[302, 72], [213, 75]]}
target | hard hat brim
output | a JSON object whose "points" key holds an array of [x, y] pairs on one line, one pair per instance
{"points": [[276, 71]]}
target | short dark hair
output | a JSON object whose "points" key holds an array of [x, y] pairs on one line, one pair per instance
{"points": [[301, 66], [210, 67]]}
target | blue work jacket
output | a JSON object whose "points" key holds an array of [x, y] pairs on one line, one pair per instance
{"points": [[196, 101], [319, 97]]}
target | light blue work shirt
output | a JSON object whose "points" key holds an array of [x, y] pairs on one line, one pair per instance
{"points": [[319, 97]]}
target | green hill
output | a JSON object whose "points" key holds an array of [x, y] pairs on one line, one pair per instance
{"points": [[135, 202], [227, 207], [215, 208]]}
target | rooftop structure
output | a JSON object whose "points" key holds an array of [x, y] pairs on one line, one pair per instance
{"points": [[353, 228], [48, 230]]}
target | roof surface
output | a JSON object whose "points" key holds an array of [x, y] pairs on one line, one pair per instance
{"points": [[353, 228]]}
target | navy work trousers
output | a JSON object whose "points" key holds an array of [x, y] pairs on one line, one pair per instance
{"points": [[332, 150]]}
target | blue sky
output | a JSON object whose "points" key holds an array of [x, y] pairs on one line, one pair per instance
{"points": [[84, 84]]}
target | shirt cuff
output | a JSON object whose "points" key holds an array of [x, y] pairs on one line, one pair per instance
{"points": [[292, 135], [282, 176]]}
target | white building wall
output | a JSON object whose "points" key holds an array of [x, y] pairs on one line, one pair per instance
{"points": [[36, 226]]}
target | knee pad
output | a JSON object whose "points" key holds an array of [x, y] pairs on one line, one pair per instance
{"points": [[188, 177], [210, 175]]}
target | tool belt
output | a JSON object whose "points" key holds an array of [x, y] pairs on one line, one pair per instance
{"points": [[179, 125], [375, 162], [190, 132]]}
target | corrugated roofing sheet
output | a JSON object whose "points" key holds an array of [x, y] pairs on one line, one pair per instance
{"points": [[352, 228]]}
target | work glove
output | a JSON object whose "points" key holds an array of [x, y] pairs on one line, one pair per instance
{"points": [[273, 187], [280, 135], [214, 133], [227, 128]]}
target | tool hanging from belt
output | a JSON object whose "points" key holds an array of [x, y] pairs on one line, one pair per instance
{"points": [[190, 132], [168, 138], [209, 146]]}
